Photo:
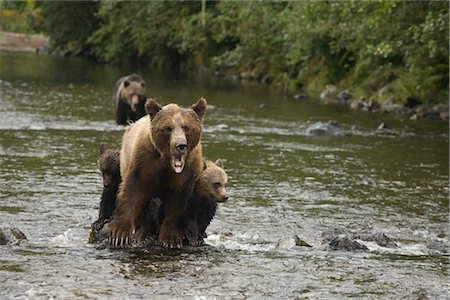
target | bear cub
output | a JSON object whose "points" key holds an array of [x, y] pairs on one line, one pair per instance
{"points": [[109, 165], [209, 189], [129, 98]]}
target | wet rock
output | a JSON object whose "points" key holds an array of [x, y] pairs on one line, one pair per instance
{"points": [[330, 128], [378, 237], [300, 97], [356, 104], [11, 235], [290, 242], [286, 243], [442, 110], [344, 242], [267, 79], [329, 92], [301, 243], [328, 236], [246, 76], [382, 126], [339, 239], [438, 249], [344, 97], [383, 129]]}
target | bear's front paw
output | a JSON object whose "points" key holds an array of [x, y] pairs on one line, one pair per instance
{"points": [[170, 237], [119, 236]]}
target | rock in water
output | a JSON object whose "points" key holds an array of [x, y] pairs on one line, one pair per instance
{"points": [[11, 235], [330, 128], [344, 242]]}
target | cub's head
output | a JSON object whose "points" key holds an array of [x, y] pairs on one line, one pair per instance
{"points": [[109, 164], [212, 183], [134, 91], [175, 130]]}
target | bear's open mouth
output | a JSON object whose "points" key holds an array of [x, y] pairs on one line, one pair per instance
{"points": [[178, 162], [134, 107]]}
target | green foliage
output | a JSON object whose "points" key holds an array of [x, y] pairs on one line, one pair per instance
{"points": [[70, 23], [21, 16], [398, 47]]}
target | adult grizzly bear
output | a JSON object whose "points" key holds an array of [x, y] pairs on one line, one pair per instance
{"points": [[209, 189], [129, 97], [161, 156]]}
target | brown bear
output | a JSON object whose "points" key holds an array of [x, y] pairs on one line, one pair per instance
{"points": [[109, 165], [129, 97], [209, 189], [161, 157]]}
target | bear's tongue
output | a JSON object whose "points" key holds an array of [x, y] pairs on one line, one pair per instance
{"points": [[178, 163]]}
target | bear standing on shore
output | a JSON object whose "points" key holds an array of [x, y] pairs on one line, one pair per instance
{"points": [[161, 156], [129, 98]]}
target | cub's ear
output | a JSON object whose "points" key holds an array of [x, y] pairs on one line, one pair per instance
{"points": [[102, 149], [219, 162], [143, 84], [152, 107], [126, 83], [200, 107]]}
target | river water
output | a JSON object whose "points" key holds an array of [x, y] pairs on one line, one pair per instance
{"points": [[283, 182]]}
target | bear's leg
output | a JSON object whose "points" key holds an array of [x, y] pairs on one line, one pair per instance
{"points": [[107, 206], [122, 110], [170, 235], [130, 203]]}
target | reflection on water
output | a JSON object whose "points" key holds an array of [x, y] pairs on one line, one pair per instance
{"points": [[55, 112]]}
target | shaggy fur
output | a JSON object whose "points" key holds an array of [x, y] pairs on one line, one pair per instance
{"points": [[129, 97], [161, 157], [209, 189], [109, 165]]}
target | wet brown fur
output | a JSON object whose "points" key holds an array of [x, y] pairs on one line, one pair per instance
{"points": [[147, 173], [109, 165], [209, 189], [127, 88]]}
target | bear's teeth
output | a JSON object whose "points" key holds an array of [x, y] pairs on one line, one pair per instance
{"points": [[178, 166]]}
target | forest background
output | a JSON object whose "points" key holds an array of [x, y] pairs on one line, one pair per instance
{"points": [[380, 50]]}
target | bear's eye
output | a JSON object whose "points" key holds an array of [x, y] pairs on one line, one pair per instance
{"points": [[216, 185], [167, 129], [186, 128]]}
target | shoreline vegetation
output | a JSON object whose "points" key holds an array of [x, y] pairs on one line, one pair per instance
{"points": [[380, 56]]}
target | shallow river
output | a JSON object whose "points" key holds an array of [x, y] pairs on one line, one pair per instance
{"points": [[283, 181]]}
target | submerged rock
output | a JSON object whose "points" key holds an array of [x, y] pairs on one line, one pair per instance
{"points": [[290, 242], [330, 128], [378, 237], [11, 235], [345, 242], [339, 239], [438, 249]]}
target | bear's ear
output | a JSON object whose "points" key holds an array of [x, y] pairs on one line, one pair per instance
{"points": [[200, 107], [143, 84], [102, 149], [126, 83], [219, 162], [152, 107]]}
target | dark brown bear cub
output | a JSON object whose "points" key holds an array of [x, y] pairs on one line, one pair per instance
{"points": [[209, 189], [161, 157], [109, 165], [129, 98]]}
